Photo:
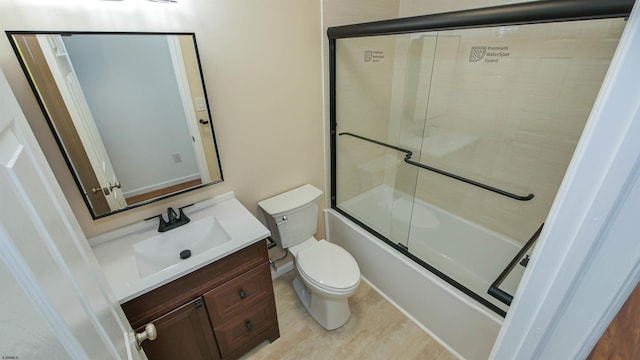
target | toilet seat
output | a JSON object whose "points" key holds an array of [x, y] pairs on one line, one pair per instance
{"points": [[328, 267]]}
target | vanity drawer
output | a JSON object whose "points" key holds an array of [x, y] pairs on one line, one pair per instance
{"points": [[240, 293], [248, 328]]}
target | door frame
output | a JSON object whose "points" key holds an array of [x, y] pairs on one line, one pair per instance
{"points": [[587, 260], [42, 244], [175, 51]]}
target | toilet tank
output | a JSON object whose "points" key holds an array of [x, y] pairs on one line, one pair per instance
{"points": [[293, 216]]}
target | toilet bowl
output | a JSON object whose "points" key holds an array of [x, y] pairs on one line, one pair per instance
{"points": [[326, 274]]}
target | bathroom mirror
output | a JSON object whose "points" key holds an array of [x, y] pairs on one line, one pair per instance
{"points": [[129, 112]]}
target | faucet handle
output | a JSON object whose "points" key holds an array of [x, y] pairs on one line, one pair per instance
{"points": [[183, 217], [171, 214]]}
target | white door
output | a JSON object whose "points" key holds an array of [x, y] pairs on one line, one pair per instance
{"points": [[55, 302], [193, 123], [62, 70]]}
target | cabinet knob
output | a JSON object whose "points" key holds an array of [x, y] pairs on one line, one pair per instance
{"points": [[149, 332], [243, 294], [248, 325]]}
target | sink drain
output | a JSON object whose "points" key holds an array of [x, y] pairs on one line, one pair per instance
{"points": [[185, 254]]}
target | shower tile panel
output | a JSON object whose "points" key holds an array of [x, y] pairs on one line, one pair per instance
{"points": [[445, 143], [527, 111]]}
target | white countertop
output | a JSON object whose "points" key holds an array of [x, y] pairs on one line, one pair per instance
{"points": [[114, 250]]}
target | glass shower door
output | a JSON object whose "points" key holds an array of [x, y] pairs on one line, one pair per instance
{"points": [[373, 185], [451, 145]]}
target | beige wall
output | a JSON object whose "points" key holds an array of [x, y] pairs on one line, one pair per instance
{"points": [[340, 12], [422, 7], [262, 67]]}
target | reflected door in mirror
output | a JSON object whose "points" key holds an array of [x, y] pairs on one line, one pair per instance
{"points": [[129, 112]]}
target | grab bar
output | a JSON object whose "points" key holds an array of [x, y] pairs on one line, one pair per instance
{"points": [[494, 289], [408, 160]]}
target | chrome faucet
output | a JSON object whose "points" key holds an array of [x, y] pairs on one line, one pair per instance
{"points": [[174, 220]]}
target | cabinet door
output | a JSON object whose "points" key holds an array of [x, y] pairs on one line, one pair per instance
{"points": [[184, 333]]}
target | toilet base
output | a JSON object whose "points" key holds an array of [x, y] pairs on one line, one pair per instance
{"points": [[331, 313]]}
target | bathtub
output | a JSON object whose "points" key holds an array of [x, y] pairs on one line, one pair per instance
{"points": [[461, 324], [470, 254]]}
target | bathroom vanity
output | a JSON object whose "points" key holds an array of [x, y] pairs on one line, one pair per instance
{"points": [[229, 303], [216, 304]]}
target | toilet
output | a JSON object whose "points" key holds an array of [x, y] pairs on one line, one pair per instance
{"points": [[326, 274]]}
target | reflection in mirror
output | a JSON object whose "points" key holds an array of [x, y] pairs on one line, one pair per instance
{"points": [[129, 112]]}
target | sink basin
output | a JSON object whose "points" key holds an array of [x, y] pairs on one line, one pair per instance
{"points": [[167, 249]]}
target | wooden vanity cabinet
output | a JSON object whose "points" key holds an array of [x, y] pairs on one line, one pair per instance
{"points": [[221, 311]]}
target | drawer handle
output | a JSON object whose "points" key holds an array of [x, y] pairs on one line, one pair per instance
{"points": [[243, 294], [248, 325]]}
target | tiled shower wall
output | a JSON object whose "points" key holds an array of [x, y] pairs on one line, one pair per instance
{"points": [[518, 109], [363, 87]]}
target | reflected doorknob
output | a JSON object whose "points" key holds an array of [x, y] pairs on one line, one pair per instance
{"points": [[148, 333], [116, 185], [104, 190], [203, 122], [108, 189]]}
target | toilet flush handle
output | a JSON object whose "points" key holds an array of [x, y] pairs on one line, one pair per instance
{"points": [[282, 221]]}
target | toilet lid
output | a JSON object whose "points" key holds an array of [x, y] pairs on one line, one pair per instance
{"points": [[329, 265]]}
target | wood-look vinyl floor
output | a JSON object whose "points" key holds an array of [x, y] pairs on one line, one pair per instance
{"points": [[376, 330]]}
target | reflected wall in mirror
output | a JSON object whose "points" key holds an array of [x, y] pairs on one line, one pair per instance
{"points": [[128, 110]]}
